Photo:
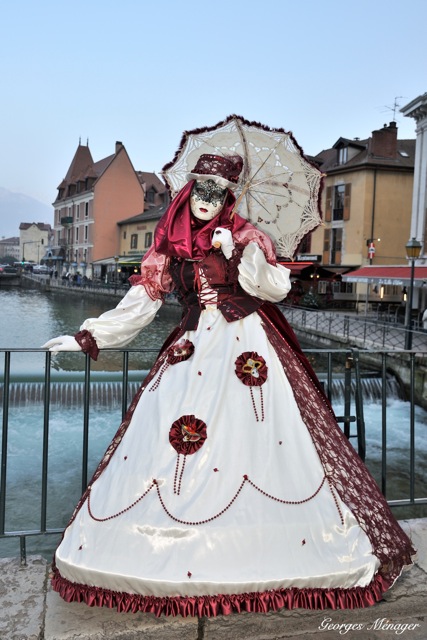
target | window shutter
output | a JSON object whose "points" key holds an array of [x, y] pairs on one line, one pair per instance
{"points": [[326, 245], [347, 195], [328, 204]]}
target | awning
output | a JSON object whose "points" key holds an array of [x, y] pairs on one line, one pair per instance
{"points": [[397, 275], [121, 261], [306, 269]]}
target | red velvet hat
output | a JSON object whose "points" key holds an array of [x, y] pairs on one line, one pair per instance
{"points": [[224, 170]]}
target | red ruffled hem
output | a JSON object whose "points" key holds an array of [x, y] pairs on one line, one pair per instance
{"points": [[211, 606]]}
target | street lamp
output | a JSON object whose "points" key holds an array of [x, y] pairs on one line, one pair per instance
{"points": [[116, 260], [413, 250]]}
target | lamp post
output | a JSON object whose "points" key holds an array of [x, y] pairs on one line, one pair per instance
{"points": [[413, 250], [116, 260]]}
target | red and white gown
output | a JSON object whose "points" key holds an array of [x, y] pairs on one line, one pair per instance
{"points": [[229, 486]]}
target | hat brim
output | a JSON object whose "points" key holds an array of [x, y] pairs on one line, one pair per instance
{"points": [[226, 184]]}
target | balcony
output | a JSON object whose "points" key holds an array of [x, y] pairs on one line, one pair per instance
{"points": [[67, 221]]}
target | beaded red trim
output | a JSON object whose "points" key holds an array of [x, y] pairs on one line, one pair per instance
{"points": [[245, 480]]}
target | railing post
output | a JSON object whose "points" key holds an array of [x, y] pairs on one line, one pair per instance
{"points": [[360, 418], [412, 432], [3, 475], [86, 405], [45, 455], [384, 425], [347, 392]]}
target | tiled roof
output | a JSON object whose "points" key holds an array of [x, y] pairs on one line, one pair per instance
{"points": [[151, 180], [40, 225], [150, 214], [328, 158], [80, 164]]}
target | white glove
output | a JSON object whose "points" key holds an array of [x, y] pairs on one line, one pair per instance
{"points": [[62, 343], [223, 238]]}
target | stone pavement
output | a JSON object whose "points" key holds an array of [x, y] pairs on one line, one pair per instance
{"points": [[30, 610]]}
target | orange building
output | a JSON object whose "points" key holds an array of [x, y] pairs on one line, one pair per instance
{"points": [[91, 200]]}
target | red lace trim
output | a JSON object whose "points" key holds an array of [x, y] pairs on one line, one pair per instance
{"points": [[343, 467], [222, 604], [88, 343]]}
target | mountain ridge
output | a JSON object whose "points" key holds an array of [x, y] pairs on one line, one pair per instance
{"points": [[19, 207]]}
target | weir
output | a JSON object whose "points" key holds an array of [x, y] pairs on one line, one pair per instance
{"points": [[67, 388]]}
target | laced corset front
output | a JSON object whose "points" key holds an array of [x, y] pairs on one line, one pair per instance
{"points": [[208, 297], [211, 282]]}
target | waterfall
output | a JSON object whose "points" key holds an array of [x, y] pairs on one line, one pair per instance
{"points": [[372, 388], [108, 392], [67, 394]]}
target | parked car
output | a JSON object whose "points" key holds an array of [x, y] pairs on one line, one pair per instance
{"points": [[40, 269], [7, 268]]}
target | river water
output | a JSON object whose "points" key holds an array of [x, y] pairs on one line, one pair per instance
{"points": [[28, 319]]}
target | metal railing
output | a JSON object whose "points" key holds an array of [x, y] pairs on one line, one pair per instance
{"points": [[340, 366], [363, 332]]}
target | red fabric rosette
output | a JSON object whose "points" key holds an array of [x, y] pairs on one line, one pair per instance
{"points": [[187, 434], [251, 369], [180, 351]]}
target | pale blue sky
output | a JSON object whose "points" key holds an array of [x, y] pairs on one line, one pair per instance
{"points": [[144, 71]]}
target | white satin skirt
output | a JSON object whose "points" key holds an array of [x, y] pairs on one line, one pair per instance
{"points": [[250, 510]]}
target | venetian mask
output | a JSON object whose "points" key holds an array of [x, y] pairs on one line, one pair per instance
{"points": [[207, 199]]}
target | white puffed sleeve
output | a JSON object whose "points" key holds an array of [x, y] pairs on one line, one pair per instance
{"points": [[261, 279], [119, 326]]}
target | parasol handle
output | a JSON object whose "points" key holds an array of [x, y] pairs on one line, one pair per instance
{"points": [[239, 200]]}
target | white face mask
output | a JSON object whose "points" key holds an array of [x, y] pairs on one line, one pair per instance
{"points": [[207, 199]]}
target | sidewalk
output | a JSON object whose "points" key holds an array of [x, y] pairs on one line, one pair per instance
{"points": [[30, 610]]}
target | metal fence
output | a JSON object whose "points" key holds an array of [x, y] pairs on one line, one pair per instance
{"points": [[365, 332], [339, 368]]}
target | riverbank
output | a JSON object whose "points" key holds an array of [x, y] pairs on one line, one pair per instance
{"points": [[32, 611]]}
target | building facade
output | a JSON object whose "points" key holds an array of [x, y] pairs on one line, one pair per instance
{"points": [[417, 109], [9, 247], [34, 239], [366, 200], [91, 200], [366, 205]]}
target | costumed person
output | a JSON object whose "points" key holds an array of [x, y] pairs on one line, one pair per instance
{"points": [[229, 486]]}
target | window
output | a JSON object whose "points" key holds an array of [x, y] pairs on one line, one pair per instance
{"points": [[124, 235], [337, 205], [134, 241], [332, 246], [336, 245], [151, 195], [86, 209], [305, 246], [77, 234], [77, 211], [342, 155], [338, 209], [148, 239], [86, 233]]}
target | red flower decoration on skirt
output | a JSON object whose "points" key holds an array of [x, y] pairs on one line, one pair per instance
{"points": [[180, 351], [251, 369], [187, 434]]}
